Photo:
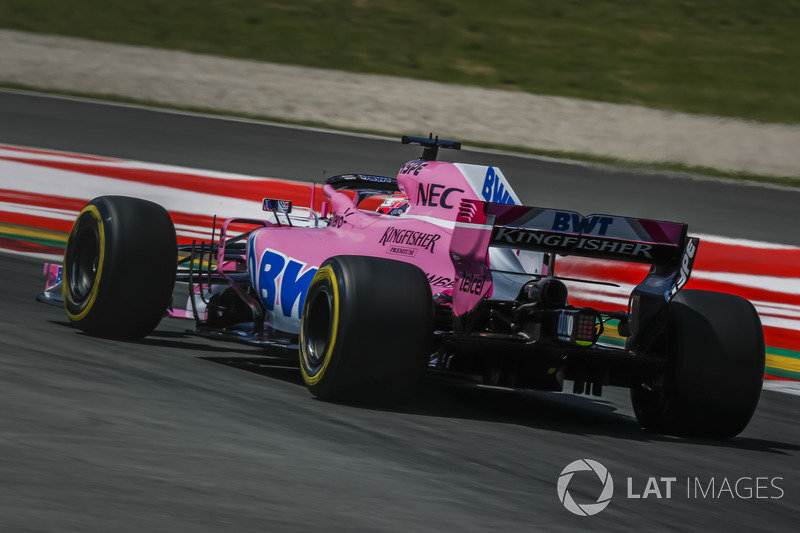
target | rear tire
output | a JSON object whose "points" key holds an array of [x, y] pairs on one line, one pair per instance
{"points": [[119, 267], [715, 344], [366, 330]]}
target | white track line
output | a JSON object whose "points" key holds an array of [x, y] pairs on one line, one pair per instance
{"points": [[787, 387]]}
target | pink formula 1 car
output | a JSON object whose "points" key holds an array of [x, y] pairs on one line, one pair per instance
{"points": [[452, 274]]}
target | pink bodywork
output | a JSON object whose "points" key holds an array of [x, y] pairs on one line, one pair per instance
{"points": [[52, 275], [282, 261]]}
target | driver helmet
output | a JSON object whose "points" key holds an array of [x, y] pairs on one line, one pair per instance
{"points": [[394, 205]]}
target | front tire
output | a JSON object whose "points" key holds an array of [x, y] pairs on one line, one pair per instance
{"points": [[715, 344], [119, 267], [366, 330]]}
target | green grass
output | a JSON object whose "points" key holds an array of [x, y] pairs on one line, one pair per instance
{"points": [[724, 57], [624, 164]]}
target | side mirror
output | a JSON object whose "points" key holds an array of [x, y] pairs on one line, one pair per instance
{"points": [[277, 206]]}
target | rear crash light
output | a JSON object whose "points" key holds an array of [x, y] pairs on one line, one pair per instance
{"points": [[578, 326]]}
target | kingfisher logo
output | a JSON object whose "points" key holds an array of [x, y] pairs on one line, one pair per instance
{"points": [[585, 509], [410, 238]]}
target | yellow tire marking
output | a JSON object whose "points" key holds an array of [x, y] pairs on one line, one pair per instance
{"points": [[324, 273], [88, 307]]}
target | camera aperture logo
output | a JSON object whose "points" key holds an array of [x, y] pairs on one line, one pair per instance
{"points": [[587, 509]]}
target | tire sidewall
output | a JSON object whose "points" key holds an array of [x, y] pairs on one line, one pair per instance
{"points": [[714, 344], [136, 271], [316, 375], [96, 215], [384, 330]]}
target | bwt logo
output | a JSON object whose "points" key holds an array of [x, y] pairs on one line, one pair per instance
{"points": [[586, 509], [494, 190], [575, 223], [282, 281]]}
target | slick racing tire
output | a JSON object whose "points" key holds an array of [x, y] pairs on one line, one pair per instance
{"points": [[119, 267], [366, 330], [715, 346]]}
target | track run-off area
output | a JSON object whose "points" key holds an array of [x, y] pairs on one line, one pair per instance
{"points": [[182, 433]]}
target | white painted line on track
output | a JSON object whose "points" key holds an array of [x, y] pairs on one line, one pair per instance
{"points": [[41, 180], [743, 242], [787, 387], [52, 258], [753, 281], [46, 212], [125, 164]]}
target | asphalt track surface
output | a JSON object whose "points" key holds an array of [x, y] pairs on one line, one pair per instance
{"points": [[178, 433]]}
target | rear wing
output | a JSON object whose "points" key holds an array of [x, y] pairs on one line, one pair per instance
{"points": [[663, 245], [636, 240]]}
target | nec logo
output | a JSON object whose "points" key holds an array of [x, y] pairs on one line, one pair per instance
{"points": [[574, 223], [433, 195]]}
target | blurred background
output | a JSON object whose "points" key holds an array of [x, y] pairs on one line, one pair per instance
{"points": [[724, 57]]}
